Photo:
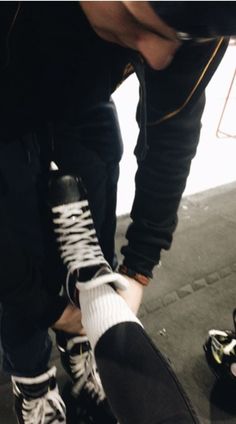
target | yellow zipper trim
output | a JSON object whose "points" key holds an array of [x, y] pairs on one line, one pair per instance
{"points": [[175, 112], [128, 70]]}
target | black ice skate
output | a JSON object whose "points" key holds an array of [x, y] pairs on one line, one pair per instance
{"points": [[76, 236], [78, 360], [37, 400]]}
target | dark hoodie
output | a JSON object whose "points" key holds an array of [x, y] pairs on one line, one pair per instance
{"points": [[41, 45], [199, 18]]}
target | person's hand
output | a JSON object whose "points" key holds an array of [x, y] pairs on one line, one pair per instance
{"points": [[134, 25], [133, 294], [69, 321]]}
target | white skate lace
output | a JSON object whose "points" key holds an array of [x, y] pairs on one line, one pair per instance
{"points": [[42, 410], [78, 243], [84, 370]]}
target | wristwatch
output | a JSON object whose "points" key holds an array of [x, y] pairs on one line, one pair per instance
{"points": [[140, 278]]}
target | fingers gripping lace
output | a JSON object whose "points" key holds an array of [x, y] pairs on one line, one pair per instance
{"points": [[42, 410]]}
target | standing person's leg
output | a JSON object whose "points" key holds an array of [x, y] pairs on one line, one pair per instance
{"points": [[26, 346], [91, 149]]}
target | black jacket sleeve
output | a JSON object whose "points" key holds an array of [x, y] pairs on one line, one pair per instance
{"points": [[175, 102], [199, 18]]}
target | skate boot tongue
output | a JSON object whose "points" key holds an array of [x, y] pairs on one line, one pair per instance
{"points": [[63, 189]]}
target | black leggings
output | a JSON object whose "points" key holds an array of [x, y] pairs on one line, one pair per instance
{"points": [[139, 383]]}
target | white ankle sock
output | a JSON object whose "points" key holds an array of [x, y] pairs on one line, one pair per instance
{"points": [[102, 308]]}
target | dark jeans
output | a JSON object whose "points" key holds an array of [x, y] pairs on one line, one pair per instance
{"points": [[26, 235]]}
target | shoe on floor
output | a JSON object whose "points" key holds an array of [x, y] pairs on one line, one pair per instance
{"points": [[220, 352]]}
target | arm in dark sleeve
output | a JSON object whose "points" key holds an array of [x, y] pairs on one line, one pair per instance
{"points": [[175, 102], [199, 18]]}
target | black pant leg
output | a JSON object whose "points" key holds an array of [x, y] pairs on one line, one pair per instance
{"points": [[93, 150], [26, 347]]}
